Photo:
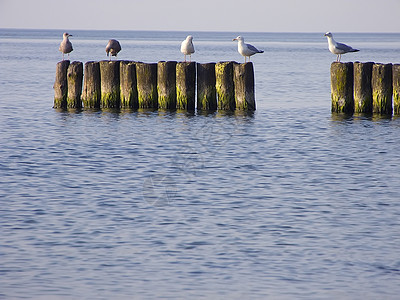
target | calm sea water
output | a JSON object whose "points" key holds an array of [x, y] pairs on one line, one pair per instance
{"points": [[289, 202]]}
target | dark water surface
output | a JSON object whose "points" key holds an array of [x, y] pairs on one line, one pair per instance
{"points": [[288, 202]]}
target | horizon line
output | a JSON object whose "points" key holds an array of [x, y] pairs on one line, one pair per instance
{"points": [[176, 30]]}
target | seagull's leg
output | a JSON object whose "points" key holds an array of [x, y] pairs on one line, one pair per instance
{"points": [[185, 57]]}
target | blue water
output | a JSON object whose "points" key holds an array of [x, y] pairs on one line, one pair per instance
{"points": [[288, 202]]}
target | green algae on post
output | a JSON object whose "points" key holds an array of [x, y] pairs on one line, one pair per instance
{"points": [[61, 85], [362, 87], [342, 87], [91, 94], [243, 76], [146, 75], [74, 79], [110, 84], [166, 84], [206, 91], [185, 85], [225, 85], [382, 89], [128, 85], [396, 89]]}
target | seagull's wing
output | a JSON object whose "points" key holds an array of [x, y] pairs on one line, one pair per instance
{"points": [[69, 46], [343, 47], [117, 46], [252, 48]]}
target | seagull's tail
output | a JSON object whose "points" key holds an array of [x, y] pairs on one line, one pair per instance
{"points": [[260, 51], [354, 50]]}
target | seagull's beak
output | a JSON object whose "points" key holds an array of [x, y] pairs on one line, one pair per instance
{"points": [[235, 39]]}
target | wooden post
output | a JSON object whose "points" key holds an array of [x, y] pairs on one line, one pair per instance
{"points": [[61, 85], [129, 93], [146, 75], [396, 89], [74, 79], [243, 76], [166, 84], [206, 90], [185, 85], [362, 87], [382, 88], [225, 86], [342, 87], [110, 89], [91, 94]]}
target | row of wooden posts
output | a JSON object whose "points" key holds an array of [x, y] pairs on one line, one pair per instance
{"points": [[365, 88], [166, 85]]}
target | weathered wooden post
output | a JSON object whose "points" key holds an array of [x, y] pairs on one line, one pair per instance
{"points": [[146, 75], [225, 86], [342, 87], [382, 88], [206, 90], [91, 94], [185, 85], [166, 84], [362, 87], [243, 77], [110, 86], [128, 82], [74, 79], [396, 89], [61, 85]]}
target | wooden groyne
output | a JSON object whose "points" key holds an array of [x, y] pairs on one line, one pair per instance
{"points": [[162, 85], [369, 88]]}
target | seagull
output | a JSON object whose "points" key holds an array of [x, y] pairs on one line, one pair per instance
{"points": [[187, 47], [113, 47], [338, 48], [66, 45], [246, 50]]}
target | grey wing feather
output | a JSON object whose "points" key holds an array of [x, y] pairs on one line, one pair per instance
{"points": [[252, 48], [343, 47], [69, 47], [117, 46]]}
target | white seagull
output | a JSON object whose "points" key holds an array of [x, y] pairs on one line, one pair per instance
{"points": [[246, 50], [187, 47], [338, 48], [112, 48], [66, 45]]}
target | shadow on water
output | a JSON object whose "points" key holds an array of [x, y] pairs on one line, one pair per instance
{"points": [[356, 117], [151, 112]]}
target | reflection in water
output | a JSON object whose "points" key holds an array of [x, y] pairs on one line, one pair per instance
{"points": [[349, 118]]}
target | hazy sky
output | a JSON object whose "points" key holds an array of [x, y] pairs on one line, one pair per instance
{"points": [[204, 15]]}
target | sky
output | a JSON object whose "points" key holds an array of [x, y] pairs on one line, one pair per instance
{"points": [[204, 15]]}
